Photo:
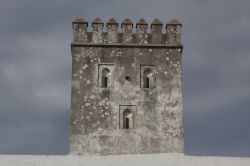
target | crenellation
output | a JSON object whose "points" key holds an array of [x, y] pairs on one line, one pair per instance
{"points": [[97, 34], [127, 31], [173, 31], [141, 36], [125, 35], [156, 31], [112, 35], [80, 26]]}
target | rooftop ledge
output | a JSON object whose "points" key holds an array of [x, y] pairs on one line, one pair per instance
{"points": [[80, 44]]}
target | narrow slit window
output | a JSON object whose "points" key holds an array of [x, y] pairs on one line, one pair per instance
{"points": [[147, 78], [127, 119], [105, 78], [105, 82], [146, 82], [127, 123]]}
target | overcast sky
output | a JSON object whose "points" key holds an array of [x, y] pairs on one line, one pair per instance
{"points": [[35, 70]]}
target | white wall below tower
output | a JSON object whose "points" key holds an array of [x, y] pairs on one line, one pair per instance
{"points": [[162, 159]]}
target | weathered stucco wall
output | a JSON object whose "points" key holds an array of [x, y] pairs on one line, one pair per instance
{"points": [[97, 112], [123, 160]]}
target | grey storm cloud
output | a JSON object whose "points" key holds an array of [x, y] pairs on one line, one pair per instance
{"points": [[35, 70]]}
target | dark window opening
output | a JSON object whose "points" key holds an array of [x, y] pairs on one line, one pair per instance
{"points": [[127, 78], [146, 82], [105, 78], [127, 123], [105, 82], [127, 119]]}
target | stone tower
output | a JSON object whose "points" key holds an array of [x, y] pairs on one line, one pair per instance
{"points": [[126, 88]]}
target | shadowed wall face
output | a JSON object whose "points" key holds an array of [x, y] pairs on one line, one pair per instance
{"points": [[126, 89]]}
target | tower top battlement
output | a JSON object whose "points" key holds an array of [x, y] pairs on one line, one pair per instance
{"points": [[172, 35]]}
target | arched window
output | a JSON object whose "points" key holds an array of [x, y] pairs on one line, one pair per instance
{"points": [[147, 78], [127, 119], [105, 77]]}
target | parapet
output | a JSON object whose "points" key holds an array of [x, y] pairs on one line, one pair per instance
{"points": [[141, 36]]}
